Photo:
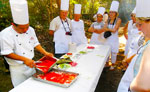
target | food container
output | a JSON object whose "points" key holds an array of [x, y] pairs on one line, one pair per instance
{"points": [[45, 64], [57, 77]]}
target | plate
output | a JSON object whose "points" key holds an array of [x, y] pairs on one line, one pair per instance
{"points": [[57, 77]]}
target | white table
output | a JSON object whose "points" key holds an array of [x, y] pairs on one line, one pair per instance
{"points": [[89, 68]]}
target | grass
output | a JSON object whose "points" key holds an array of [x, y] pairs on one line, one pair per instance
{"points": [[5, 81]]}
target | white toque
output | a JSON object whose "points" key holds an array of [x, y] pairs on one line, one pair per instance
{"points": [[77, 9], [142, 8], [134, 11], [101, 10], [19, 10], [114, 6], [64, 5]]}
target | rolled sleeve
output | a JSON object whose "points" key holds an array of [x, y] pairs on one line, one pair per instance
{"points": [[92, 25], [7, 46], [52, 25]]}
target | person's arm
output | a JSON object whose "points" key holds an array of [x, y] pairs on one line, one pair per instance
{"points": [[141, 82], [126, 61], [130, 58], [91, 29], [98, 31], [27, 61], [52, 26], [116, 26], [41, 50], [125, 29]]}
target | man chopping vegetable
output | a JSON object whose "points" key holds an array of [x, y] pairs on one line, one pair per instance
{"points": [[17, 43]]}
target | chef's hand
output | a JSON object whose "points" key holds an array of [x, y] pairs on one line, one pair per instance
{"points": [[106, 29], [49, 55], [29, 62]]}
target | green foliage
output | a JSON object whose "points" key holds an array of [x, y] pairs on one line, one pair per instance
{"points": [[5, 14], [73, 2], [43, 11]]}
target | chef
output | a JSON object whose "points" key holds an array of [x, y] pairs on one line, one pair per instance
{"points": [[97, 27], [60, 29], [112, 26], [18, 42], [127, 30], [78, 33]]}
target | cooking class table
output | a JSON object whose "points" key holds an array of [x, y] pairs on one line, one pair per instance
{"points": [[89, 67]]}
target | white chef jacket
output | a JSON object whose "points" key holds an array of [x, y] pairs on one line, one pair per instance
{"points": [[128, 42], [60, 38], [56, 23], [136, 42], [78, 33], [20, 44]]}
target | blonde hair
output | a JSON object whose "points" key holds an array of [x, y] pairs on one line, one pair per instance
{"points": [[143, 19]]}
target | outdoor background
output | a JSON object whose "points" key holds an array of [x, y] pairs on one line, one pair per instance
{"points": [[41, 12]]}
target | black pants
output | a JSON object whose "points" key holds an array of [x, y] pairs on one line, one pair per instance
{"points": [[59, 55]]}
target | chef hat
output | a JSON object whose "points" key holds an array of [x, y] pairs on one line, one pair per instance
{"points": [[77, 9], [19, 10], [101, 10], [114, 6], [64, 5], [134, 11], [142, 8]]}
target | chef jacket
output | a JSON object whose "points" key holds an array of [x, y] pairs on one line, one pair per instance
{"points": [[20, 44], [60, 27]]}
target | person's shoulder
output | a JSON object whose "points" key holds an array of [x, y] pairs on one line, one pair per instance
{"points": [[130, 21], [56, 18], [72, 20], [81, 20], [68, 19], [94, 23], [7, 32], [31, 28], [119, 19]]}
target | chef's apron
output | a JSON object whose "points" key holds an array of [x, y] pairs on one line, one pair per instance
{"points": [[130, 27], [78, 33], [95, 36], [61, 39], [136, 42], [113, 42], [20, 73], [127, 77]]}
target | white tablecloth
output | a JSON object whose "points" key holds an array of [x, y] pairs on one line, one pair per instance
{"points": [[89, 68]]}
